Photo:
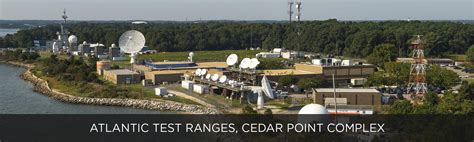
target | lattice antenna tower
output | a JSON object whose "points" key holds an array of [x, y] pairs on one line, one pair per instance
{"points": [[298, 27], [290, 9], [417, 87]]}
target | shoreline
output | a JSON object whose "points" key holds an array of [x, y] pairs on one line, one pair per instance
{"points": [[42, 86]]}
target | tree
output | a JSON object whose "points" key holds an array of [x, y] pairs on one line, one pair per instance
{"points": [[383, 53], [441, 77], [308, 83], [470, 53], [400, 107], [286, 81]]}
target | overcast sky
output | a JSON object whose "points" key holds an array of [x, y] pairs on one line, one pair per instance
{"points": [[181, 10]]}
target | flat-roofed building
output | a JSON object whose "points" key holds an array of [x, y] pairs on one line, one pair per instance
{"points": [[342, 74], [180, 65], [158, 77], [441, 61], [430, 61], [275, 74], [353, 96], [122, 76]]}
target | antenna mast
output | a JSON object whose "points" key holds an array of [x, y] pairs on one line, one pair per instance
{"points": [[417, 87], [290, 9], [298, 27]]}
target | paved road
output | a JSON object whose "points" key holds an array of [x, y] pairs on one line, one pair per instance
{"points": [[181, 94]]}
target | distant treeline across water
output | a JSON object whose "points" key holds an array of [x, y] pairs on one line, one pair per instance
{"points": [[354, 39]]}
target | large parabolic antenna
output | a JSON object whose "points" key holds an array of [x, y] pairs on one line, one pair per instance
{"points": [[131, 41], [254, 63], [232, 59], [245, 63]]}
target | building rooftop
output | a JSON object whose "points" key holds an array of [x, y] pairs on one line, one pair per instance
{"points": [[172, 62], [212, 64], [122, 72], [170, 72], [440, 59], [347, 90], [278, 72]]}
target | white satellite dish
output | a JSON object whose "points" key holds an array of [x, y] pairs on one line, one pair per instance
{"points": [[131, 41], [203, 71], [254, 63], [245, 63], [232, 59], [222, 79], [215, 77], [198, 72], [208, 76]]}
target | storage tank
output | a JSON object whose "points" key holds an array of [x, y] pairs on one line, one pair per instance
{"points": [[102, 66], [200, 89]]}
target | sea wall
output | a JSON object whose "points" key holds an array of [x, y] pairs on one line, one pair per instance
{"points": [[42, 86]]}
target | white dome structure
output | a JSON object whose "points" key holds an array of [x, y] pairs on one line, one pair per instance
{"points": [[313, 109], [72, 39]]}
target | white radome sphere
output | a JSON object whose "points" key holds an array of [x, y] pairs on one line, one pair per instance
{"points": [[313, 109], [72, 39]]}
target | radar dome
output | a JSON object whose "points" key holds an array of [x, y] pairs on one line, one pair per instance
{"points": [[313, 109], [113, 45], [72, 39]]}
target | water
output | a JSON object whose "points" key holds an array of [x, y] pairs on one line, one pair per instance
{"points": [[4, 32], [17, 97]]}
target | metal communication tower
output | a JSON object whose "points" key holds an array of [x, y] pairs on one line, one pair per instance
{"points": [[290, 9], [417, 87], [298, 10], [298, 27], [64, 15]]}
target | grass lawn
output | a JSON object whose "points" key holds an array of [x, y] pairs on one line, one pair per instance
{"points": [[199, 56]]}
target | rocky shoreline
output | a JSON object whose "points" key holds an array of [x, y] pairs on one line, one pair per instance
{"points": [[42, 86]]}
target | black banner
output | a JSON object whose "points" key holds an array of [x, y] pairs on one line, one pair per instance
{"points": [[184, 127]]}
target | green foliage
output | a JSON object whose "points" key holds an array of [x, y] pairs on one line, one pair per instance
{"points": [[470, 53], [356, 39], [400, 107], [395, 73], [200, 56], [287, 80], [71, 69], [271, 63], [383, 53], [19, 55], [308, 83], [448, 103], [441, 77], [248, 110]]}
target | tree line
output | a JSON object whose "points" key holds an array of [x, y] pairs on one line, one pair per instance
{"points": [[353, 39]]}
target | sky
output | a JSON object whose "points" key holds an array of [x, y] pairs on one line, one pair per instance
{"points": [[181, 10]]}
